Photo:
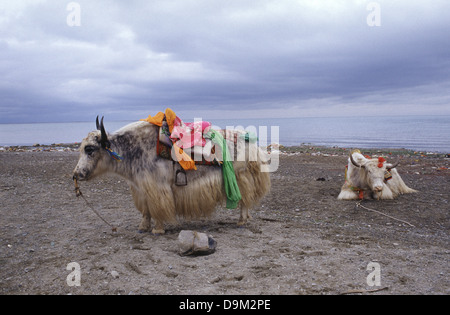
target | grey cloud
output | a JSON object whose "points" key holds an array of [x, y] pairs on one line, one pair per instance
{"points": [[141, 56]]}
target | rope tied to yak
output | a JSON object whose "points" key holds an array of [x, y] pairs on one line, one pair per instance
{"points": [[78, 193]]}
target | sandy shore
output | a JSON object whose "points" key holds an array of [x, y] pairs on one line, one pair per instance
{"points": [[302, 240]]}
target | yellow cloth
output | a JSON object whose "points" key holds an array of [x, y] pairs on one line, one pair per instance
{"points": [[185, 160], [158, 118], [155, 120]]}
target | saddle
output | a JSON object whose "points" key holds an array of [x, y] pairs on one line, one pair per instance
{"points": [[200, 155]]}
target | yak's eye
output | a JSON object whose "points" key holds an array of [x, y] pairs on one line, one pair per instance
{"points": [[89, 150]]}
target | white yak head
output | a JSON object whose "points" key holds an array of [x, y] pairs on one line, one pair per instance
{"points": [[373, 169]]}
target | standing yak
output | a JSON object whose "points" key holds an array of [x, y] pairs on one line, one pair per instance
{"points": [[152, 178]]}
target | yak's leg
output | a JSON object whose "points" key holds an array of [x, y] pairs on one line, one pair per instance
{"points": [[160, 203], [159, 228], [245, 216], [141, 205], [146, 223], [249, 216], [348, 194]]}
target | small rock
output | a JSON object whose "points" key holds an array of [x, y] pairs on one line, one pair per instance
{"points": [[115, 274], [195, 243], [28, 269]]}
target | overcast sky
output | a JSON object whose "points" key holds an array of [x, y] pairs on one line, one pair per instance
{"points": [[222, 59]]}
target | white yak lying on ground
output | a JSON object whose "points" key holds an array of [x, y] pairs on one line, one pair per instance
{"points": [[152, 178], [372, 178]]}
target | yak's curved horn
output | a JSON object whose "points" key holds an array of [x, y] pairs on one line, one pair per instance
{"points": [[394, 165], [104, 140], [354, 162], [97, 124]]}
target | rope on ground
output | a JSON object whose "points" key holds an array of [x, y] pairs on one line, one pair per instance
{"points": [[364, 291], [359, 205]]}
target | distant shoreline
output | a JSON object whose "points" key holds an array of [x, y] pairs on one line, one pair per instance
{"points": [[422, 134], [310, 149], [41, 147]]}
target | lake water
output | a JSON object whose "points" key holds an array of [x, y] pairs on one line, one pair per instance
{"points": [[422, 133]]}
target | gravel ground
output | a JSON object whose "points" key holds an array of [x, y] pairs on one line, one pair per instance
{"points": [[302, 240]]}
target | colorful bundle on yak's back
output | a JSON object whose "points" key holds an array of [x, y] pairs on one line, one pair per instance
{"points": [[161, 119], [164, 135], [178, 136], [188, 135]]}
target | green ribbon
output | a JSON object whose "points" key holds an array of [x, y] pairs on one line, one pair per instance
{"points": [[229, 177]]}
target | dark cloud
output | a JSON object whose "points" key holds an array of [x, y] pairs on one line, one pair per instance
{"points": [[128, 60]]}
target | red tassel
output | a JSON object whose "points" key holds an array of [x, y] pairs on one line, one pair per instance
{"points": [[381, 161]]}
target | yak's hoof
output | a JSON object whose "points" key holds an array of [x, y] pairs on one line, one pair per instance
{"points": [[158, 232], [144, 228], [243, 221]]}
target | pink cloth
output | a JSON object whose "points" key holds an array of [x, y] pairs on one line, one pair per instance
{"points": [[187, 135]]}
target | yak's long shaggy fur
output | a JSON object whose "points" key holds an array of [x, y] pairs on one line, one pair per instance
{"points": [[152, 178]]}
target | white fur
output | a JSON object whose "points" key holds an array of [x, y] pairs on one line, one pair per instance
{"points": [[370, 179]]}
